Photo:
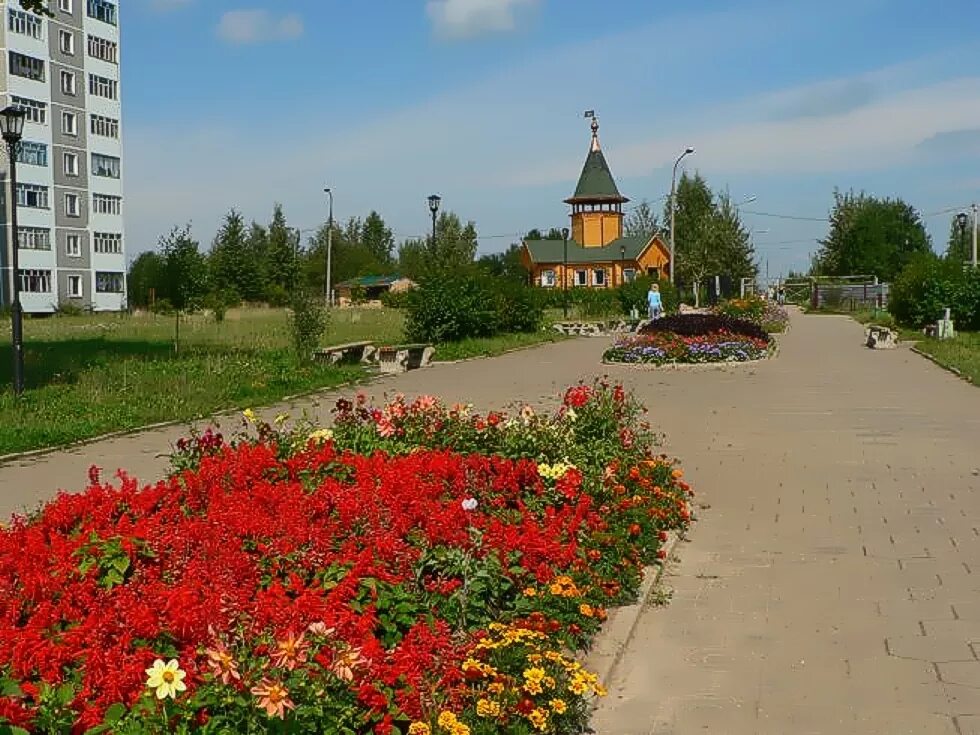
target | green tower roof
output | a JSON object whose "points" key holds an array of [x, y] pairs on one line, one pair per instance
{"points": [[596, 184]]}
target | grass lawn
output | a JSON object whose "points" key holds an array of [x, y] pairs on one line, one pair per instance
{"points": [[962, 353], [94, 374], [486, 346]]}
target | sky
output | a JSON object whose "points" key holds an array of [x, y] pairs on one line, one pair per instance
{"points": [[243, 103]]}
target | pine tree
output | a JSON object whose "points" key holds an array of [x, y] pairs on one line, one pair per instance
{"points": [[641, 222], [228, 255], [696, 230], [281, 252], [736, 255], [377, 238]]}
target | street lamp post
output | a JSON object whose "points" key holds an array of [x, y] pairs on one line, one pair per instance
{"points": [[973, 257], [12, 129], [564, 273], [434, 201], [673, 194], [622, 264], [328, 287]]}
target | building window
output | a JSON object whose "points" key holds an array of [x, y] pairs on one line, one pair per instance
{"points": [[581, 278], [106, 282], [105, 166], [548, 278], [69, 123], [74, 287], [102, 10], [32, 195], [66, 41], [73, 246], [71, 205], [599, 277], [65, 6], [104, 49], [106, 204], [35, 280], [71, 164], [107, 127], [28, 24], [34, 238], [107, 242], [103, 87], [629, 275], [22, 65], [33, 154], [68, 83], [37, 112]]}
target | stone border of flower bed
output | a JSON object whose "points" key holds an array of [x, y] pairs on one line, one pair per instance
{"points": [[619, 629]]}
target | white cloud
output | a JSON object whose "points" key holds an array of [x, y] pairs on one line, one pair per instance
{"points": [[258, 26], [467, 18]]}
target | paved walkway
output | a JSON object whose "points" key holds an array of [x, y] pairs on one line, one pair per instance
{"points": [[832, 586]]}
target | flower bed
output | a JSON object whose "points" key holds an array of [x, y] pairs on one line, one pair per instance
{"points": [[661, 348], [417, 569], [766, 313]]}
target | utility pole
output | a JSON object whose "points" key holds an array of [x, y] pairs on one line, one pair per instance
{"points": [[327, 285]]}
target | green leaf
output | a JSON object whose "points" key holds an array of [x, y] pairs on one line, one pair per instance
{"points": [[10, 688], [115, 713], [11, 730], [121, 563]]}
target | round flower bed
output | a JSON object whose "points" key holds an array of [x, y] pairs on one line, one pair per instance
{"points": [[417, 569], [692, 338]]}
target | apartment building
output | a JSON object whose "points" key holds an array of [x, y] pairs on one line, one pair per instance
{"points": [[63, 71]]}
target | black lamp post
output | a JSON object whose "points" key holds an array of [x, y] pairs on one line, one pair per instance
{"points": [[12, 129], [961, 221], [434, 201], [564, 274], [622, 264]]}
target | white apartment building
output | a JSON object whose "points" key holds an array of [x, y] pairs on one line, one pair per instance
{"points": [[63, 72]]}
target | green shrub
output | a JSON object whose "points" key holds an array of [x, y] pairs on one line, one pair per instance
{"points": [[633, 295], [67, 308], [162, 306], [276, 295], [520, 308], [929, 285], [395, 299], [448, 307], [307, 322]]}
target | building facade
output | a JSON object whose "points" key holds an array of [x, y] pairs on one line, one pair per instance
{"points": [[597, 255], [63, 71]]}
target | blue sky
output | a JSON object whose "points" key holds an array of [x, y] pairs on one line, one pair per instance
{"points": [[240, 105]]}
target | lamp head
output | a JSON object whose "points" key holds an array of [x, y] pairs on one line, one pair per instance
{"points": [[688, 151], [434, 201], [961, 220], [12, 124], [564, 233]]}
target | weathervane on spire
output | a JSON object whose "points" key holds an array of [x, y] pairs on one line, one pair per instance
{"points": [[590, 114]]}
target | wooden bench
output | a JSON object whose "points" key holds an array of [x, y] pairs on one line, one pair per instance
{"points": [[399, 358], [352, 352]]}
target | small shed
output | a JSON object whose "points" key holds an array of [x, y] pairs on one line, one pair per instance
{"points": [[370, 288]]}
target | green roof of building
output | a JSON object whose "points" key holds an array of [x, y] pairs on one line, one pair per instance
{"points": [[596, 184], [369, 281], [552, 251]]}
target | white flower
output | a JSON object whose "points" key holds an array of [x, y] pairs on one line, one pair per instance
{"points": [[470, 504]]}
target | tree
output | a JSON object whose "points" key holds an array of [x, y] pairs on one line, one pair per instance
{"points": [[377, 238], [36, 6], [506, 265], [959, 247], [186, 269], [281, 263], [554, 234], [413, 258], [736, 255], [871, 236], [455, 244], [534, 234], [696, 231], [255, 278], [641, 222], [147, 275], [229, 253]]}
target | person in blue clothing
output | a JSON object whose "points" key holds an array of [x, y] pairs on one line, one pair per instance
{"points": [[655, 305]]}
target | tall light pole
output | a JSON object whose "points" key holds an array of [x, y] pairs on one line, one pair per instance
{"points": [[12, 129], [973, 258], [326, 280], [673, 208], [434, 201], [564, 273], [622, 264]]}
